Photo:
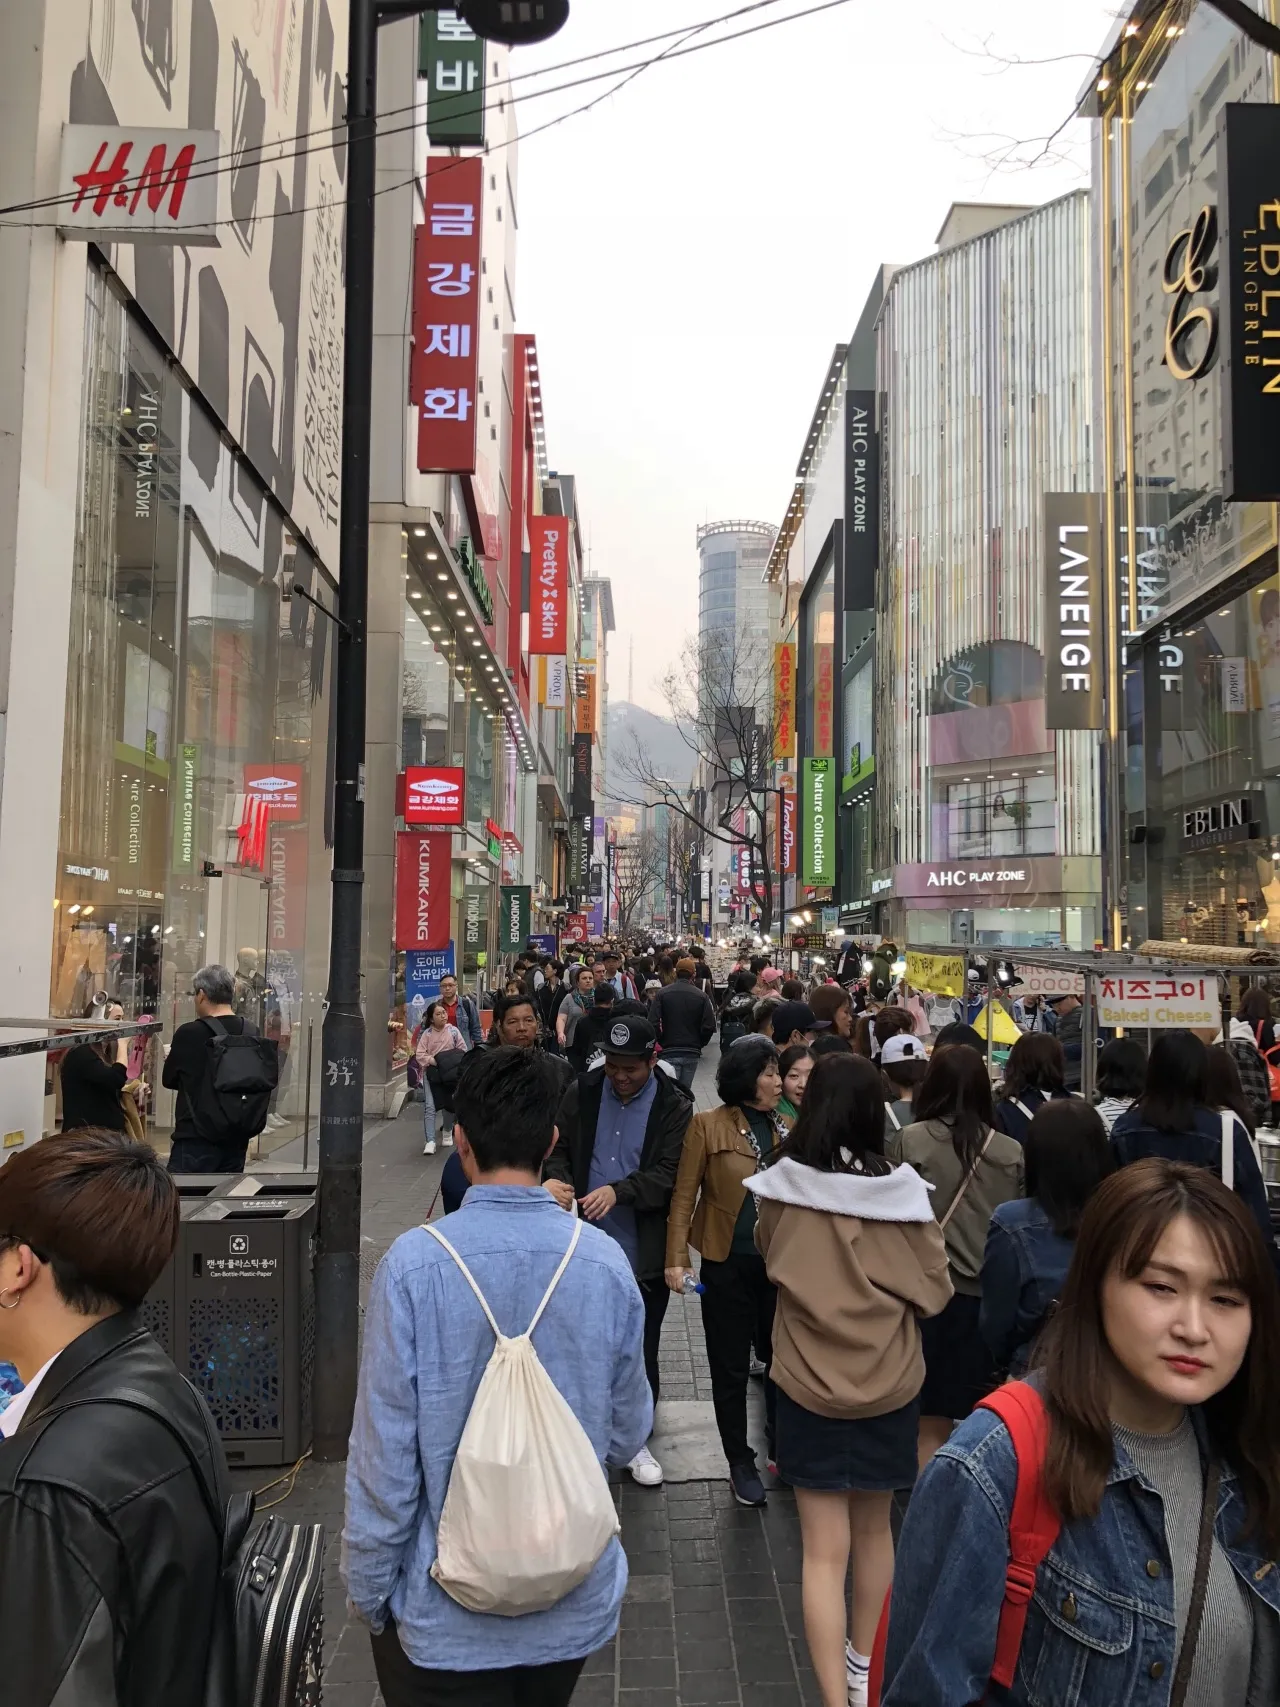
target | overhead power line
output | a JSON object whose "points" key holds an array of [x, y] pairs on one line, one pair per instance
{"points": [[334, 135]]}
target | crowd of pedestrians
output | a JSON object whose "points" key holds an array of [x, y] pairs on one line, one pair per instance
{"points": [[1050, 1328]]}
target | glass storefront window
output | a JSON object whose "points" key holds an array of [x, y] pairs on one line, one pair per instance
{"points": [[193, 799], [992, 816]]}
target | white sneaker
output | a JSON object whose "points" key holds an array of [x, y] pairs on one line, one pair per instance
{"points": [[429, 1148], [447, 1139], [275, 1122], [645, 1469]]}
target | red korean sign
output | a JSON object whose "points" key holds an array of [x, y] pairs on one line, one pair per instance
{"points": [[444, 371], [277, 787], [824, 702], [423, 875], [548, 586], [431, 794]]}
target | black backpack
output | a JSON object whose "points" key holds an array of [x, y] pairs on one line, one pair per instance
{"points": [[267, 1638], [234, 1094]]}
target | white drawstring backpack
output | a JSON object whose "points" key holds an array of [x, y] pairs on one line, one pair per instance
{"points": [[528, 1512]]}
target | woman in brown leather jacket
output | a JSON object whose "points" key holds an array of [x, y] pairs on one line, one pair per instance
{"points": [[721, 1151]]}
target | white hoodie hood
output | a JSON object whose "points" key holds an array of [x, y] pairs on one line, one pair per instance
{"points": [[1242, 1032], [898, 1196]]}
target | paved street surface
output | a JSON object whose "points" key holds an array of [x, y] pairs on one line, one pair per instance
{"points": [[713, 1609]]}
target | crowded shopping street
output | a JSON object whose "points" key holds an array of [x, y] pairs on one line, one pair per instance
{"points": [[640, 853]]}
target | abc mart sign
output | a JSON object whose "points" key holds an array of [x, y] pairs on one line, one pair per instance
{"points": [[129, 184]]}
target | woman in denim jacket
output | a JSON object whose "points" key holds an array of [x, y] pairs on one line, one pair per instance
{"points": [[1030, 1240], [1162, 1361]]}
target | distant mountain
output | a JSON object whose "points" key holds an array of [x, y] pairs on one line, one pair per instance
{"points": [[659, 739]]}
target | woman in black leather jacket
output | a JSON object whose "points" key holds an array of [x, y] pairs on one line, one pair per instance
{"points": [[108, 1554]]}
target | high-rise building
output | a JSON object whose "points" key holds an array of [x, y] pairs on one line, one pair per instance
{"points": [[987, 818], [732, 557]]}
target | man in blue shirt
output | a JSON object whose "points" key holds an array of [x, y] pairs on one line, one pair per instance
{"points": [[622, 1129], [426, 1347]]}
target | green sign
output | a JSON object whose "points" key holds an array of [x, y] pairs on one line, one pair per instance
{"points": [[451, 58], [475, 925], [517, 904], [184, 807], [818, 824], [473, 569]]}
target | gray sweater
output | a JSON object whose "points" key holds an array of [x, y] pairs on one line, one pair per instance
{"points": [[1224, 1652]]}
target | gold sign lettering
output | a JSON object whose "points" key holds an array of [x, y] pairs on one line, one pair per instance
{"points": [[1188, 270]]}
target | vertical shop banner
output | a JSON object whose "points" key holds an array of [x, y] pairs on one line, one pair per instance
{"points": [[286, 872], [1249, 192], [1073, 641], [784, 703], [580, 777], [516, 903], [184, 807], [861, 501], [785, 823], [818, 825], [554, 677], [824, 700], [585, 709], [451, 60], [579, 852], [549, 586], [475, 926], [423, 874], [444, 367]]}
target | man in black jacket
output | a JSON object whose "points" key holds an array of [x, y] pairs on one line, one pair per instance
{"points": [[622, 1129], [108, 1551], [685, 1022]]}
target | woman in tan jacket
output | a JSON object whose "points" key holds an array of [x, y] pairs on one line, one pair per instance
{"points": [[721, 1150], [851, 1243]]}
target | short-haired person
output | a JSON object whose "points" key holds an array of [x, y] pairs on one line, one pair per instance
{"points": [[736, 1016], [1033, 1075], [684, 1021], [830, 1043], [462, 1011], [851, 1243], [621, 1129], [791, 990], [957, 1032], [1068, 1026], [108, 1555], [1122, 1073], [1160, 1373], [186, 1062], [793, 1022], [953, 1145], [427, 1344], [1030, 1240], [1172, 1118], [903, 1064], [573, 1009], [712, 1209]]}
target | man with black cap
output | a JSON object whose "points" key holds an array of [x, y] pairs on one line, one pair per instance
{"points": [[621, 1131], [793, 1022]]}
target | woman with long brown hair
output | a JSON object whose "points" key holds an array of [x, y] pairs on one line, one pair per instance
{"points": [[1160, 1375]]}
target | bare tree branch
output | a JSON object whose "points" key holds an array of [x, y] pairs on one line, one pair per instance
{"points": [[639, 865]]}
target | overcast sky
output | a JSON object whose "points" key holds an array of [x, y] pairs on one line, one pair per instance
{"points": [[692, 249]]}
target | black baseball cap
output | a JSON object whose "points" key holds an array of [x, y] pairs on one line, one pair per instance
{"points": [[789, 1017], [630, 1035]]}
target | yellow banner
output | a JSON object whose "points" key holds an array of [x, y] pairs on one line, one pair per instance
{"points": [[784, 703], [941, 974]]}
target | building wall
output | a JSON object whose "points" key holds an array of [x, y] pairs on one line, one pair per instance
{"points": [[984, 363], [245, 336]]}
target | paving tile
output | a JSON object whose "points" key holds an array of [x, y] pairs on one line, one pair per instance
{"points": [[646, 1615], [648, 1642], [708, 1686], [705, 1653]]}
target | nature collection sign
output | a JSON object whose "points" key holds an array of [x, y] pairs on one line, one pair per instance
{"points": [[818, 865]]}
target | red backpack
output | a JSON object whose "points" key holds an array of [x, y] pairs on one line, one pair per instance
{"points": [[1033, 1529]]}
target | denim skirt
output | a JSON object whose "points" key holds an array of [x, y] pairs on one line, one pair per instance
{"points": [[842, 1454]]}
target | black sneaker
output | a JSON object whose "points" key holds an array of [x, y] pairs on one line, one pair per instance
{"points": [[748, 1489]]}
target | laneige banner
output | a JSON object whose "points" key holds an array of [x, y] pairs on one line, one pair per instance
{"points": [[1074, 659]]}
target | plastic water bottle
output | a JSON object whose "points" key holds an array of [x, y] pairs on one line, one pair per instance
{"points": [[691, 1285]]}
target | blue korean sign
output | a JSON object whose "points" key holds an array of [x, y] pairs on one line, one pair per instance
{"points": [[545, 944], [423, 970]]}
